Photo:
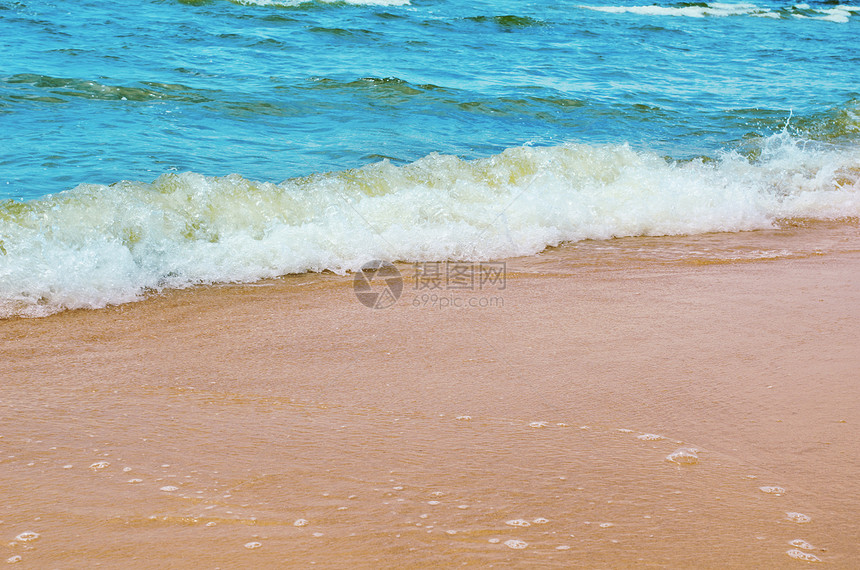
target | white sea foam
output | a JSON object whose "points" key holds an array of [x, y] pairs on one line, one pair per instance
{"points": [[27, 536], [684, 456], [798, 517], [98, 245], [713, 9], [800, 555], [837, 14]]}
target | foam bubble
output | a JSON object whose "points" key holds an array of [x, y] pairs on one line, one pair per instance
{"points": [[99, 465], [563, 547], [650, 437], [801, 555], [301, 522], [772, 490], [169, 488], [540, 520], [516, 544], [800, 543], [253, 545], [27, 536], [798, 517], [538, 424], [15, 558], [684, 456], [518, 522], [494, 540]]}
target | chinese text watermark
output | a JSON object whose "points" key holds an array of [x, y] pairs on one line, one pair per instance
{"points": [[435, 284]]}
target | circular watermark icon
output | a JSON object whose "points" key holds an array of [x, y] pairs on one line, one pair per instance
{"points": [[378, 285]]}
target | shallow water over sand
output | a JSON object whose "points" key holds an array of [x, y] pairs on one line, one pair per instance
{"points": [[628, 412], [198, 477]]}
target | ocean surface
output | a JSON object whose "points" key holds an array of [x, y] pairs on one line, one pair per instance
{"points": [[165, 143]]}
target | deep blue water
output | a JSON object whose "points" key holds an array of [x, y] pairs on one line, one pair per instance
{"points": [[100, 92]]}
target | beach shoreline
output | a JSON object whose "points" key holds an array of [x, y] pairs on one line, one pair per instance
{"points": [[299, 396], [394, 284]]}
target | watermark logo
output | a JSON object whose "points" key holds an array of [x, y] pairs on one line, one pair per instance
{"points": [[435, 284], [453, 284], [458, 276], [378, 285]]}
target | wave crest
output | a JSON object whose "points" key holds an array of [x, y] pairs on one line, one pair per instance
{"points": [[97, 245], [840, 14]]}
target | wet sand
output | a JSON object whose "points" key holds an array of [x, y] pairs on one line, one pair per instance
{"points": [[285, 424]]}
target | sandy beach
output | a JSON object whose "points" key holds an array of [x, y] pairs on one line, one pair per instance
{"points": [[284, 424], [426, 284]]}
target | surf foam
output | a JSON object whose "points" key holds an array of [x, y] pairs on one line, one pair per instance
{"points": [[98, 245], [839, 14]]}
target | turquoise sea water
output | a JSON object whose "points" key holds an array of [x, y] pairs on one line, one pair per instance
{"points": [[165, 143]]}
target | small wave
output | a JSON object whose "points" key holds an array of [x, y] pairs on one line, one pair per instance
{"points": [[546, 105], [61, 87], [343, 33], [838, 14], [295, 3], [392, 90], [509, 21], [97, 245], [686, 9], [842, 122]]}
